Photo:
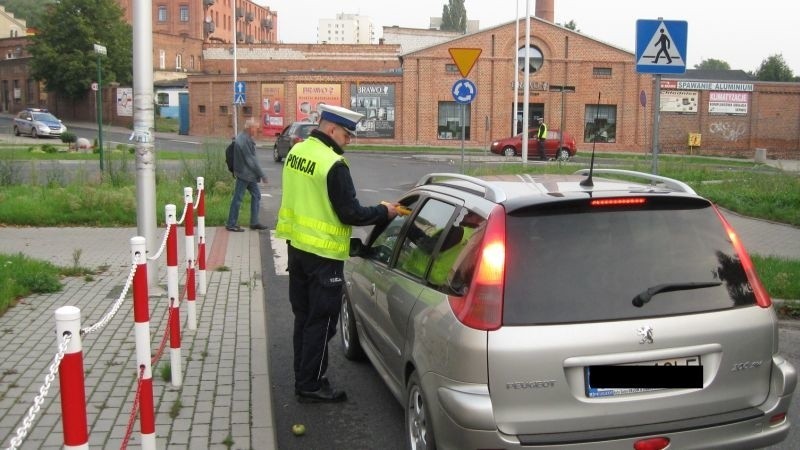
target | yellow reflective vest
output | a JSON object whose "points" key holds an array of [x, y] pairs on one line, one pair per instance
{"points": [[306, 217]]}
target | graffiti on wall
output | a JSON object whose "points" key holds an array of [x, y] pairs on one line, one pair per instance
{"points": [[729, 131]]}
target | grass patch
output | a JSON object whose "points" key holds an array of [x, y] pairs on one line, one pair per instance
{"points": [[21, 276], [779, 276], [110, 199]]}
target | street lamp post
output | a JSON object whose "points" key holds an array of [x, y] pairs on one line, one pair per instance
{"points": [[100, 50]]}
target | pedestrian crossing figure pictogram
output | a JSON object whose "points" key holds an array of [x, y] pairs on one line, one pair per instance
{"points": [[661, 46]]}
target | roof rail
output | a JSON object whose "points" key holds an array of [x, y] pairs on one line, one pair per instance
{"points": [[671, 183], [490, 192]]}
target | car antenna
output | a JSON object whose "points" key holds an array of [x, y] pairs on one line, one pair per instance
{"points": [[588, 181]]}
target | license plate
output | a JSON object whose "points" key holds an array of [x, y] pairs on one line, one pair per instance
{"points": [[596, 392]]}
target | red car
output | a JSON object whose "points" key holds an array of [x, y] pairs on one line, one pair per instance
{"points": [[553, 147]]}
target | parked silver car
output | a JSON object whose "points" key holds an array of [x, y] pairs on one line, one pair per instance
{"points": [[545, 311], [38, 122]]}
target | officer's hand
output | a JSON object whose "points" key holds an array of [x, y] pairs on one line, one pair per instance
{"points": [[391, 210]]}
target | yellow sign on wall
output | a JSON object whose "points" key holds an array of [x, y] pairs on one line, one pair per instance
{"points": [[694, 139], [464, 58]]}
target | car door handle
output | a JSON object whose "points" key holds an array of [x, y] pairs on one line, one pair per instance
{"points": [[372, 289]]}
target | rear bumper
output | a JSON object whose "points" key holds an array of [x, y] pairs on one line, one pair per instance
{"points": [[463, 418]]}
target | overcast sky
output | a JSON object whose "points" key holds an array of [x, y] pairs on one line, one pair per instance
{"points": [[741, 34]]}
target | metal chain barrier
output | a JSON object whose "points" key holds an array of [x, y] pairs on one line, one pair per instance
{"points": [[163, 345], [134, 410], [22, 431], [111, 313], [163, 245]]}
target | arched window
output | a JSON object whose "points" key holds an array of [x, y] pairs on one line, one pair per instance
{"points": [[535, 58]]}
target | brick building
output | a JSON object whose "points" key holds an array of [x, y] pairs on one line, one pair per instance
{"points": [[580, 84]]}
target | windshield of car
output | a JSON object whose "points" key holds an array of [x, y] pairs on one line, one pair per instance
{"points": [[582, 266], [44, 117]]}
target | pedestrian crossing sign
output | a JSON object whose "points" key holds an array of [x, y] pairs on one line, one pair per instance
{"points": [[661, 46]]}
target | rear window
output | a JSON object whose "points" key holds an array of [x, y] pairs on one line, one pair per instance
{"points": [[304, 131], [582, 264]]}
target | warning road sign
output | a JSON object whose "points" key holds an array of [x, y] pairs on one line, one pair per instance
{"points": [[464, 58], [661, 46]]}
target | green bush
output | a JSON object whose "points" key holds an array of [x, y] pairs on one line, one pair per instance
{"points": [[49, 148], [68, 137]]}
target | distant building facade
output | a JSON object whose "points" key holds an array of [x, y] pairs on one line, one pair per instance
{"points": [[346, 29], [10, 26], [580, 84], [180, 29]]}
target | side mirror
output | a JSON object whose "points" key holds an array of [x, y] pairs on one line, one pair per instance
{"points": [[357, 247]]}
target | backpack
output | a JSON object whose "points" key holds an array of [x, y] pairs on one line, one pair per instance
{"points": [[229, 156]]}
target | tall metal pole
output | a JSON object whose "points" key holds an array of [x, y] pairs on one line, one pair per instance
{"points": [[527, 90], [143, 132], [100, 110], [235, 69], [656, 116], [516, 73]]}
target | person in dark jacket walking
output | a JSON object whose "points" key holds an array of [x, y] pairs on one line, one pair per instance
{"points": [[248, 174], [318, 209]]}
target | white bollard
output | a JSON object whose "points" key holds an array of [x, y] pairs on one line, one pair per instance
{"points": [[188, 226], [174, 297]]}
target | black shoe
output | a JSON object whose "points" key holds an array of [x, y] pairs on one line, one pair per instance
{"points": [[234, 228], [325, 394], [323, 380], [259, 226]]}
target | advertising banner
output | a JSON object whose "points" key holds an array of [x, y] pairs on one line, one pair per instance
{"points": [[377, 102], [728, 102], [273, 108], [679, 101], [310, 96]]}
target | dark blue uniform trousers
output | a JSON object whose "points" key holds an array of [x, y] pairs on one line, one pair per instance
{"points": [[315, 292]]}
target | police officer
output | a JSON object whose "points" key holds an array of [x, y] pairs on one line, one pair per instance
{"points": [[542, 136], [318, 209]]}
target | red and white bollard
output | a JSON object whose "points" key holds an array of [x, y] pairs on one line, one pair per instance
{"points": [[188, 227], [174, 297], [141, 315], [201, 236], [70, 376]]}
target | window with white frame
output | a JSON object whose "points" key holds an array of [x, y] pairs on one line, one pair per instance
{"points": [[184, 13], [162, 59], [162, 13]]}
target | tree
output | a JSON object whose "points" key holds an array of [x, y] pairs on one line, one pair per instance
{"points": [[774, 68], [571, 25], [63, 50], [712, 64], [454, 17]]}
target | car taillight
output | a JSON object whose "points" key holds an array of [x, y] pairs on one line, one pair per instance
{"points": [[762, 297], [657, 443], [482, 307]]}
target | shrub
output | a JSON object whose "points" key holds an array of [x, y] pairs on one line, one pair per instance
{"points": [[68, 137], [49, 148]]}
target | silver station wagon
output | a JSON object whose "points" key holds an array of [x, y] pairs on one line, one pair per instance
{"points": [[562, 311]]}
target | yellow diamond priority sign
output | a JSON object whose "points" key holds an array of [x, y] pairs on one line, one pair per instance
{"points": [[464, 58]]}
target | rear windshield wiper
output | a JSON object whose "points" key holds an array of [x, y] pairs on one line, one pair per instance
{"points": [[647, 294]]}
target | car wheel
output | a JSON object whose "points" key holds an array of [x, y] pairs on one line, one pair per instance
{"points": [[16, 130], [349, 333], [419, 431], [509, 151], [33, 133], [562, 154], [276, 155]]}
